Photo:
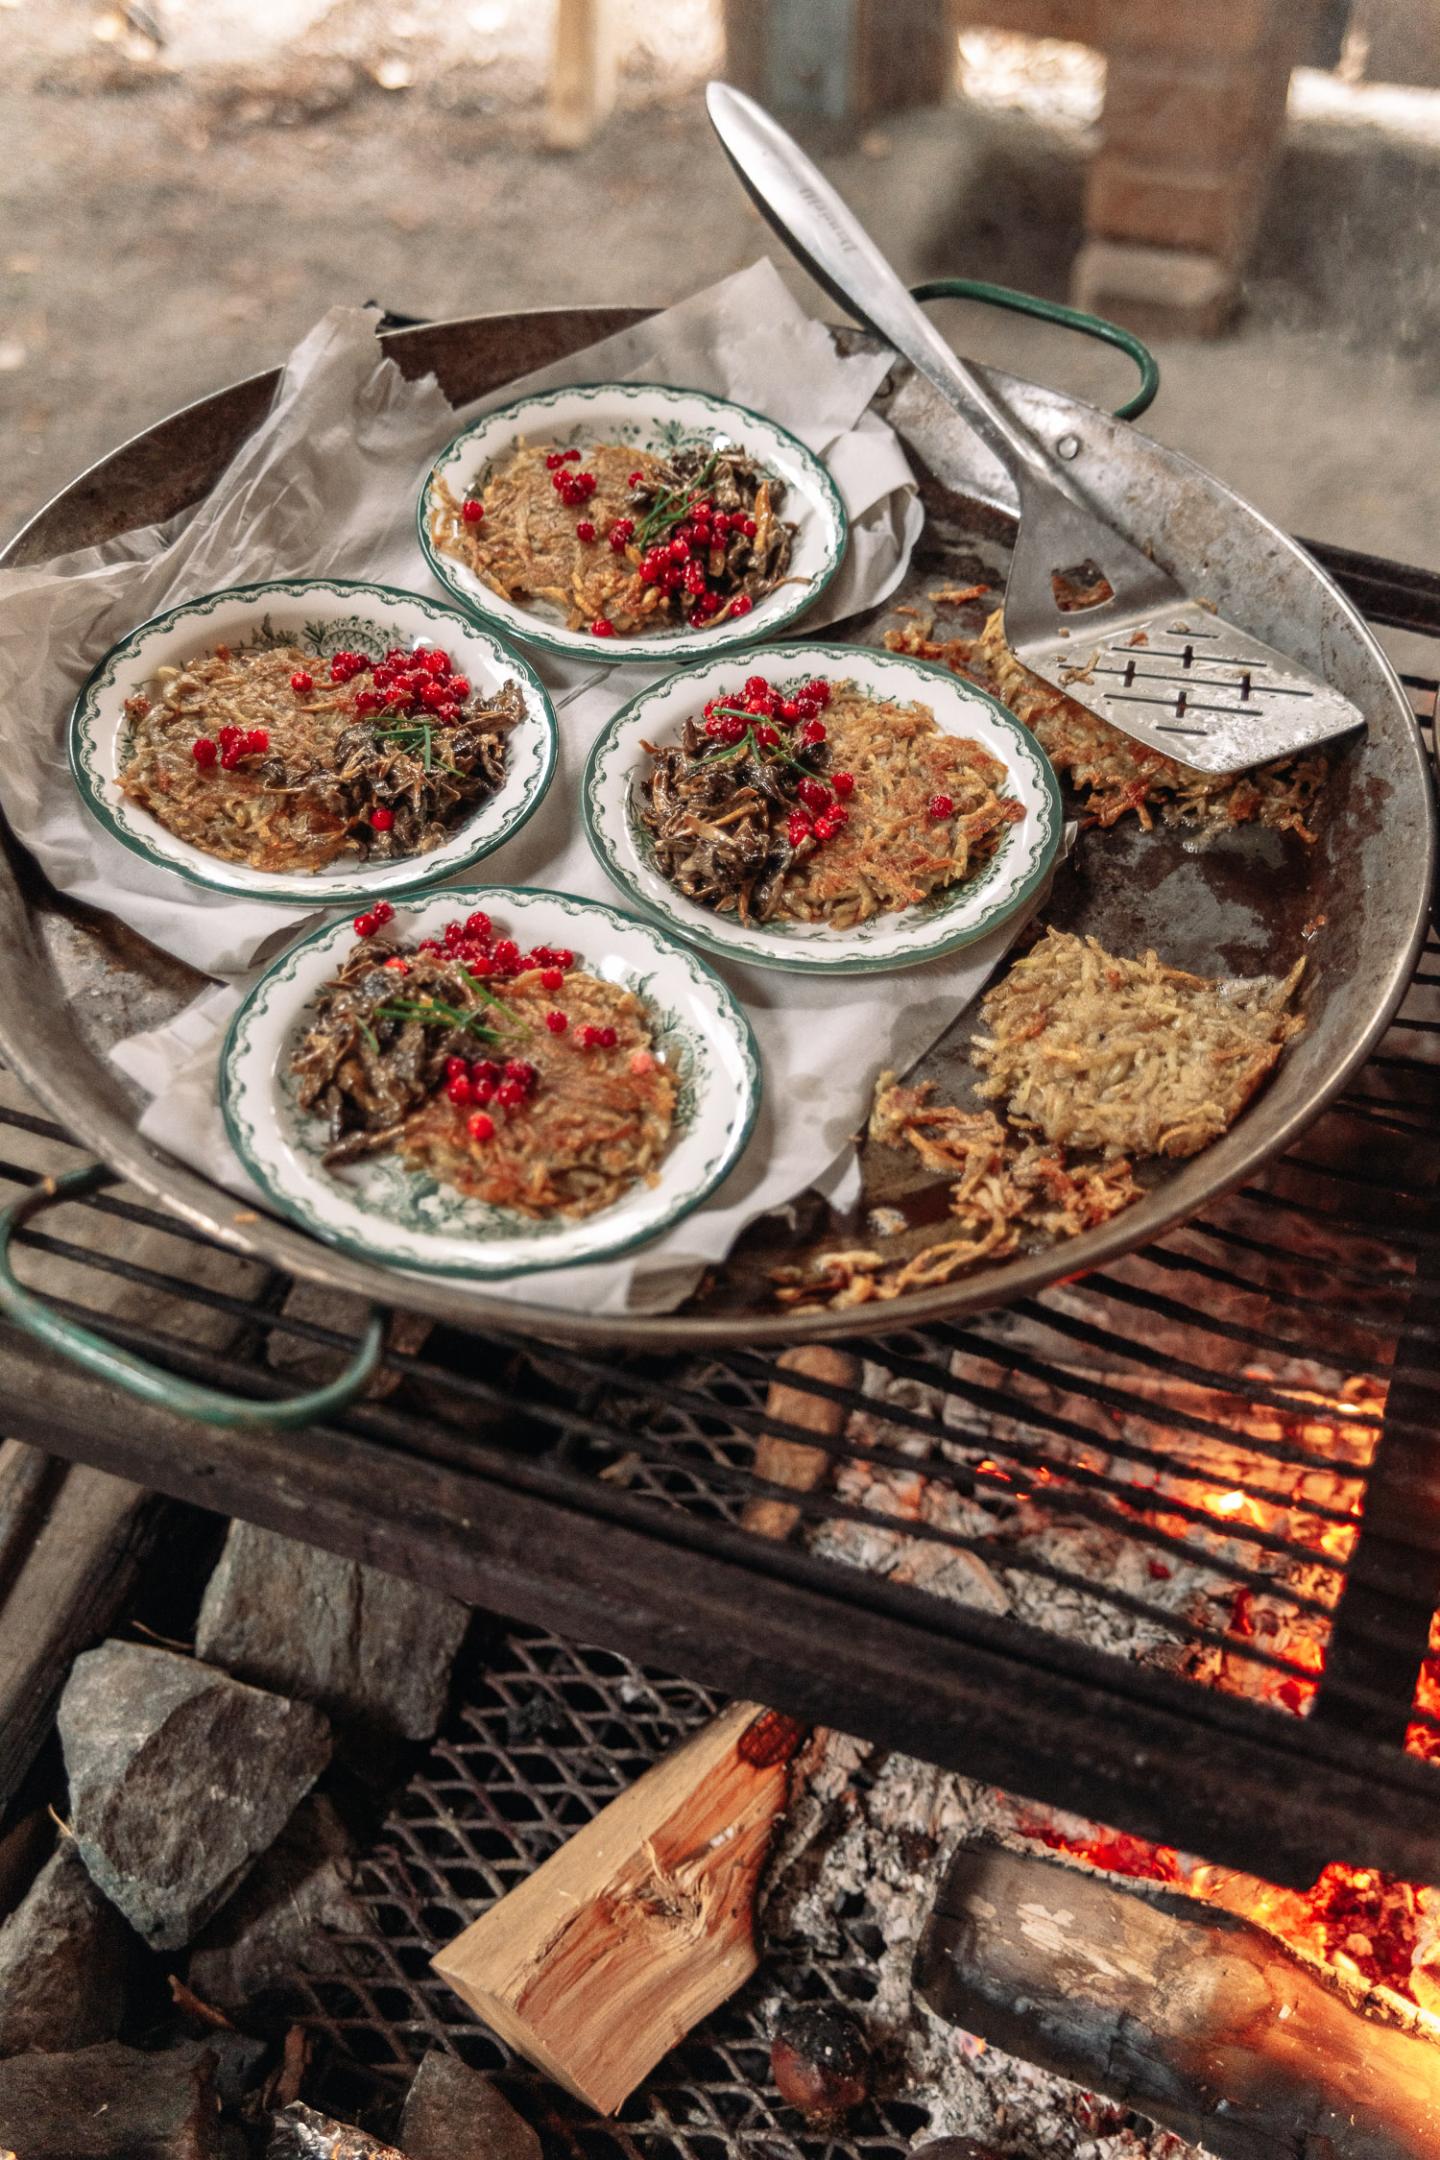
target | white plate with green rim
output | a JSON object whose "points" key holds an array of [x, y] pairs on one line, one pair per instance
{"points": [[957, 916], [381, 1210], [322, 616], [643, 416]]}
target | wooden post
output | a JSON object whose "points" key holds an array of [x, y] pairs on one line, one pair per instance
{"points": [[584, 73]]}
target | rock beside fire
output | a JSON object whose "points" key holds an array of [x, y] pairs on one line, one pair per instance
{"points": [[300, 2133], [373, 1650], [299, 1890], [455, 2113], [111, 2103], [180, 1777], [64, 1958]]}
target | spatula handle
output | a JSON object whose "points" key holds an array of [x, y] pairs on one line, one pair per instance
{"points": [[797, 199]]}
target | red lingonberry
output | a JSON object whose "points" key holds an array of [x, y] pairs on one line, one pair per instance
{"points": [[382, 820], [607, 1038], [572, 457], [397, 966], [813, 732], [472, 512], [484, 1091], [824, 828], [368, 701], [589, 1036], [843, 782], [767, 737], [456, 1067], [383, 912], [507, 957], [522, 1070], [756, 686], [635, 479], [694, 579], [741, 604], [458, 686], [602, 627], [797, 828], [556, 1022], [819, 689], [203, 751], [554, 459], [941, 806], [301, 682], [679, 549], [749, 528], [435, 662], [365, 926], [480, 1127], [814, 794], [459, 1090], [552, 979], [510, 1094], [838, 814], [485, 1071], [478, 925], [585, 530], [789, 710], [733, 728]]}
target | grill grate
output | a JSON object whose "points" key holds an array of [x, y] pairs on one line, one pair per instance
{"points": [[1153, 1500], [548, 1735]]}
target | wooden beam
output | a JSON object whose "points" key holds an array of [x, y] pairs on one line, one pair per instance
{"points": [[1186, 2012], [598, 1964]]}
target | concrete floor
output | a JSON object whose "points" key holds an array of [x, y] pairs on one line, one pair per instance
{"points": [[160, 234]]}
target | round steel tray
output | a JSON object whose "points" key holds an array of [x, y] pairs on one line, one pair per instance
{"points": [[1358, 900]]}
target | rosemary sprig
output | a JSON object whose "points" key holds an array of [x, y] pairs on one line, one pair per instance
{"points": [[434, 1014], [749, 741], [672, 504]]}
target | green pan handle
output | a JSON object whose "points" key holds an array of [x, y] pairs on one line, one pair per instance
{"points": [[165, 1390], [1069, 318]]}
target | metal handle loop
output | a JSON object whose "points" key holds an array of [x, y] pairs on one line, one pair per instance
{"points": [[1095, 326], [166, 1391]]}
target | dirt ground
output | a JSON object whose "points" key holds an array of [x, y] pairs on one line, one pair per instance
{"points": [[174, 215]]}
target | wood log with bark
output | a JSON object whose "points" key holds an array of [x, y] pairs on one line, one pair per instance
{"points": [[1177, 2008]]}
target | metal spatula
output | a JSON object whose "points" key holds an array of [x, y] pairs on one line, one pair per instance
{"points": [[1085, 608]]}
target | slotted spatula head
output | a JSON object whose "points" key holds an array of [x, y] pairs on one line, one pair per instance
{"points": [[1088, 613], [1085, 608]]}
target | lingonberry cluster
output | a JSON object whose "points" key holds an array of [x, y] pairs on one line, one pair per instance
{"points": [[727, 715], [374, 919], [421, 685], [573, 488], [229, 747], [821, 808], [681, 555], [483, 1081]]}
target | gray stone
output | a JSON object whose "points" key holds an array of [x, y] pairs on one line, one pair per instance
{"points": [[111, 2103], [454, 2113], [297, 1893], [64, 1961], [299, 2133], [180, 1777], [373, 1650]]}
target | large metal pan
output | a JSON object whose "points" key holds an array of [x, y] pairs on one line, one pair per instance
{"points": [[1357, 900]]}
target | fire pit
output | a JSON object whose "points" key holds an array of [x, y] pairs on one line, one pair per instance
{"points": [[1155, 1549]]}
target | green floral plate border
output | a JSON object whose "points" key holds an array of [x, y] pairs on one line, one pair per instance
{"points": [[955, 918], [385, 1212], [478, 446], [97, 729]]}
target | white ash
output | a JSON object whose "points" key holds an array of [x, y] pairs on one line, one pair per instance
{"points": [[860, 1854]]}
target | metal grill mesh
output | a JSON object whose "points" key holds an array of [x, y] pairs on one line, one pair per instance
{"points": [[548, 1734]]}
